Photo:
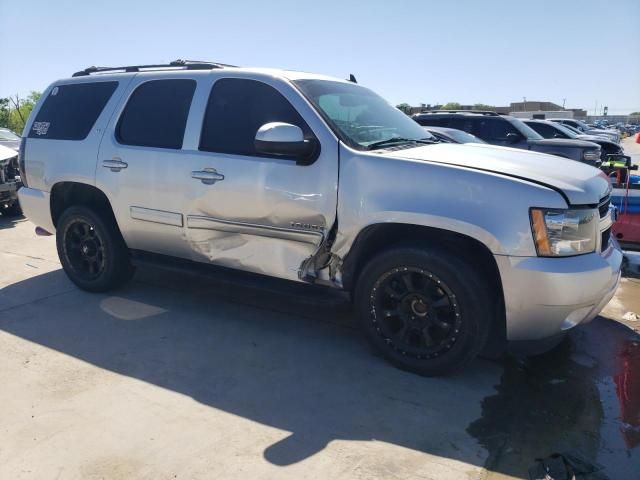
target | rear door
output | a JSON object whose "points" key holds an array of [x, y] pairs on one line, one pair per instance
{"points": [[140, 157], [265, 214]]}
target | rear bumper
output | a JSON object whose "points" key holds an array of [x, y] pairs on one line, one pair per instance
{"points": [[36, 207], [546, 297]]}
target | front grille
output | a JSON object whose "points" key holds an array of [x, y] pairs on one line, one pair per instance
{"points": [[603, 206], [606, 236]]}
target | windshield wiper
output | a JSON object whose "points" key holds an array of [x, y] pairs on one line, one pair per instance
{"points": [[393, 140]]}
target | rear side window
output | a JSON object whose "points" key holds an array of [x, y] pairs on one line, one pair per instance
{"points": [[156, 114], [237, 108], [70, 111]]}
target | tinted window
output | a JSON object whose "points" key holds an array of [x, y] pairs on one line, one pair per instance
{"points": [[237, 108], [547, 131], [156, 114], [70, 111], [492, 129]]}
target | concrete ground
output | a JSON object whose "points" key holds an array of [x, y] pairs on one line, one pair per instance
{"points": [[179, 376]]}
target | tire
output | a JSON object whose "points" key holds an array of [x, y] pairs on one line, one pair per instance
{"points": [[438, 327], [13, 210], [91, 249]]}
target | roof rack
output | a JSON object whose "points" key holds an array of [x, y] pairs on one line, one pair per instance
{"points": [[176, 64], [478, 112]]}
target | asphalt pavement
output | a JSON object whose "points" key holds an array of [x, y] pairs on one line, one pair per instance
{"points": [[183, 376]]}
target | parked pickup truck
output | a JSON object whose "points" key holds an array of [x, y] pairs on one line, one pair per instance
{"points": [[446, 249]]}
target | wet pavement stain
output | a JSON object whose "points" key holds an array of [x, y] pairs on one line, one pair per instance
{"points": [[581, 399]]}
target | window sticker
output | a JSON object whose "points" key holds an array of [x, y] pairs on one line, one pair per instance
{"points": [[54, 92], [41, 128]]}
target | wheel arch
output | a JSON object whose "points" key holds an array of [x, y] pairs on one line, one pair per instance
{"points": [[378, 237], [66, 194]]}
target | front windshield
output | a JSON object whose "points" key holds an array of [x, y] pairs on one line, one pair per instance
{"points": [[361, 118], [463, 137], [525, 129], [569, 127], [563, 128]]}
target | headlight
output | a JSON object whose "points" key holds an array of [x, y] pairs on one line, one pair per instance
{"points": [[561, 233], [592, 155]]}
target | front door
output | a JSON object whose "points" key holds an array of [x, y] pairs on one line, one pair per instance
{"points": [[246, 210]]}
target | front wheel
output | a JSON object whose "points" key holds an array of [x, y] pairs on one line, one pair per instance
{"points": [[92, 250], [426, 310]]}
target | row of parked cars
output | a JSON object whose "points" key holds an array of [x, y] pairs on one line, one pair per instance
{"points": [[566, 138]]}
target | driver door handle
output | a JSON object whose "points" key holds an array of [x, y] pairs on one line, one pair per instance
{"points": [[208, 176]]}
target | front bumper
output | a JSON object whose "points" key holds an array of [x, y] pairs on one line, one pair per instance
{"points": [[545, 297]]}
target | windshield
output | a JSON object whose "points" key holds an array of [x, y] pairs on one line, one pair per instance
{"points": [[571, 128], [359, 117], [8, 135], [563, 128], [525, 129], [463, 137]]}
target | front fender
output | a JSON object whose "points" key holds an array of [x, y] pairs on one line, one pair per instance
{"points": [[489, 207]]}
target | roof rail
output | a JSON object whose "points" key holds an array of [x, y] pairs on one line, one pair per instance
{"points": [[478, 112], [176, 64]]}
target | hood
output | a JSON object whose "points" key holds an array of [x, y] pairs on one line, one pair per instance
{"points": [[6, 153], [14, 144], [599, 140], [563, 142], [578, 182], [602, 133]]}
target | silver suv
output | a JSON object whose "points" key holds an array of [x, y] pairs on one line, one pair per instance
{"points": [[447, 250]]}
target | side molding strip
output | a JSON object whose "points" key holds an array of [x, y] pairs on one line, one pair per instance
{"points": [[211, 223], [156, 216]]}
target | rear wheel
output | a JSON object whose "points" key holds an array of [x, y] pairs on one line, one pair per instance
{"points": [[427, 311], [91, 250]]}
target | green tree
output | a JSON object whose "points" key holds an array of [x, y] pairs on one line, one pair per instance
{"points": [[635, 114], [482, 106], [451, 106], [14, 110]]}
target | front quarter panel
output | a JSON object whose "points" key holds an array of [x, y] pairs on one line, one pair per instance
{"points": [[489, 207]]}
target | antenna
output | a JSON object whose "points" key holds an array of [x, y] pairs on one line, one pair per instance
{"points": [[352, 78]]}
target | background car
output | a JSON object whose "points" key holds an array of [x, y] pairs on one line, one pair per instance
{"points": [[452, 135], [508, 131], [9, 139], [584, 128], [557, 130]]}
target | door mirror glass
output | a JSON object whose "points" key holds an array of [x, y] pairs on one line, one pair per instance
{"points": [[513, 138], [284, 139]]}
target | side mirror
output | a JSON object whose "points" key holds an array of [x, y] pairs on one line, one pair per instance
{"points": [[513, 138], [286, 140]]}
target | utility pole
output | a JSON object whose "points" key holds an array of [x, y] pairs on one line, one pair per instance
{"points": [[525, 104], [564, 100]]}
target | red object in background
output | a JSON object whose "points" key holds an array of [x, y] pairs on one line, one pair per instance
{"points": [[627, 381], [638, 138]]}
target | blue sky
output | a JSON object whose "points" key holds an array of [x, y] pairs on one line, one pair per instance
{"points": [[488, 51]]}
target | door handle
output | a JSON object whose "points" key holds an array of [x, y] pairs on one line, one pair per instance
{"points": [[114, 165], [208, 176]]}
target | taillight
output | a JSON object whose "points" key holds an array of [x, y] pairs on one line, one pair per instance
{"points": [[21, 162]]}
